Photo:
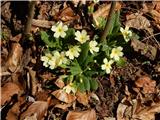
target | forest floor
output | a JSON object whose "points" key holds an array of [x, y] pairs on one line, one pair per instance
{"points": [[131, 92]]}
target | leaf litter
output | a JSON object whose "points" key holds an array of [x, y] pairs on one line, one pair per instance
{"points": [[130, 93]]}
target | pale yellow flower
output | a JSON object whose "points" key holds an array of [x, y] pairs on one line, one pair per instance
{"points": [[107, 65], [127, 34], [59, 30], [70, 88], [46, 59], [82, 37], [92, 46], [73, 52], [116, 53], [57, 59]]}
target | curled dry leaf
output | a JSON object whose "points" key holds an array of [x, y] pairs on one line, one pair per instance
{"points": [[84, 115], [14, 57], [147, 85], [138, 21], [103, 11], [8, 90], [63, 96], [82, 97], [36, 110]]}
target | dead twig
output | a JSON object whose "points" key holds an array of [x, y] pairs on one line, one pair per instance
{"points": [[109, 20]]}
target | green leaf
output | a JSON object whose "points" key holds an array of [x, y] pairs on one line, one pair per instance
{"points": [[86, 81], [94, 84], [81, 87], [84, 53], [47, 40], [121, 62], [75, 68]]}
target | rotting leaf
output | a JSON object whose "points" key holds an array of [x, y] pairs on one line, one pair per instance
{"points": [[138, 21], [37, 109], [8, 90], [59, 82], [63, 96], [83, 115], [146, 50], [14, 57], [147, 85]]}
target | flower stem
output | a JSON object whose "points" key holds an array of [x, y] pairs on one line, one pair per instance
{"points": [[109, 20]]}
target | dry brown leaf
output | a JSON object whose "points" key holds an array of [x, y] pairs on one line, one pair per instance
{"points": [[63, 96], [59, 82], [63, 106], [67, 14], [42, 23], [138, 21], [146, 84], [35, 110], [14, 57], [136, 111], [82, 97], [8, 90], [103, 11], [84, 115], [13, 113], [146, 50], [16, 38]]}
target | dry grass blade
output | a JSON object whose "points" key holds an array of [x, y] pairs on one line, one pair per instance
{"points": [[37, 109], [8, 90], [84, 115]]}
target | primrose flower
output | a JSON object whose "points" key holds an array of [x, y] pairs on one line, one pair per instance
{"points": [[46, 59], [92, 46], [107, 65], [59, 30], [82, 37], [73, 52], [127, 34], [70, 88], [116, 53], [62, 59]]}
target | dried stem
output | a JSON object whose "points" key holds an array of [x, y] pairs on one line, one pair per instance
{"points": [[30, 17], [109, 20]]}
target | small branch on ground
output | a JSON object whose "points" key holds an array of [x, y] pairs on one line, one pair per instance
{"points": [[29, 20], [109, 20]]}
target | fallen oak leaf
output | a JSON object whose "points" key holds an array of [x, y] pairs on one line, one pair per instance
{"points": [[63, 96], [35, 110], [8, 90], [83, 115]]}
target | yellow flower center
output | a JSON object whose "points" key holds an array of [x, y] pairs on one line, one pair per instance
{"points": [[59, 29]]}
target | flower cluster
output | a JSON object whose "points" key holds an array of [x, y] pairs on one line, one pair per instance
{"points": [[57, 58], [54, 60], [116, 53]]}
